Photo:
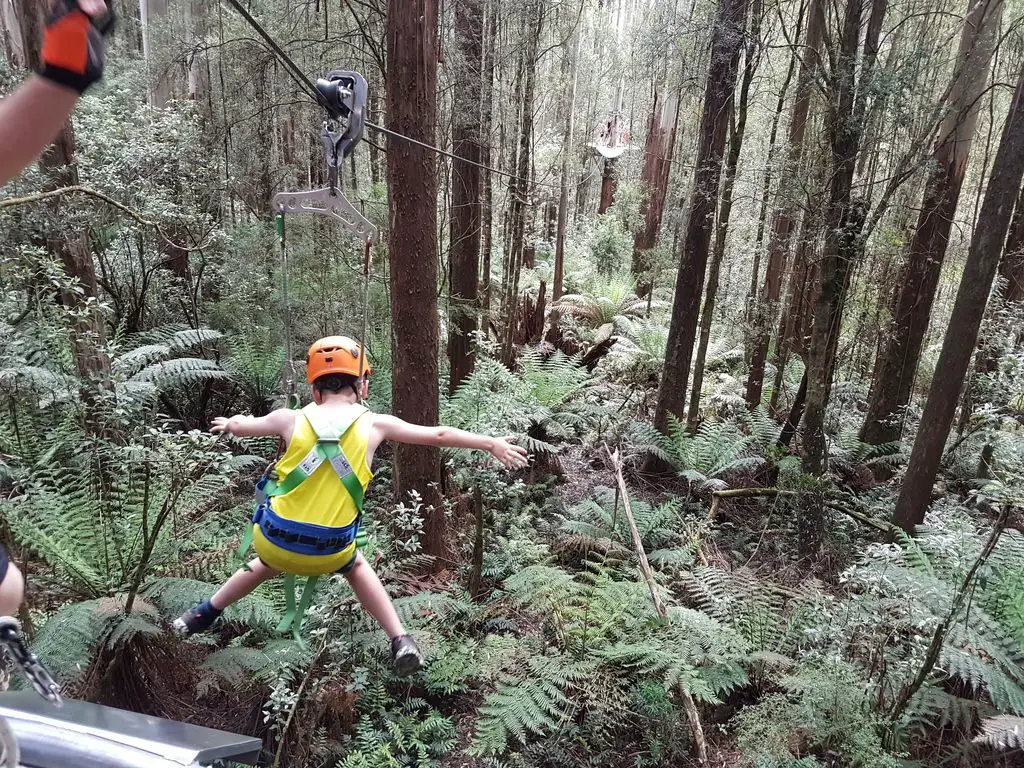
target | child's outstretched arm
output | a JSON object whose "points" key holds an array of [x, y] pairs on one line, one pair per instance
{"points": [[392, 428], [280, 423]]}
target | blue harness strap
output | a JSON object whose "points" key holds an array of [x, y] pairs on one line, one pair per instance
{"points": [[303, 538]]}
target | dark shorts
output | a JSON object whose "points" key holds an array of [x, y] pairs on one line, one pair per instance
{"points": [[5, 562]]}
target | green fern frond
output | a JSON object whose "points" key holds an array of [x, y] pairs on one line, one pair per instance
{"points": [[181, 372], [1002, 732], [68, 638], [521, 707]]}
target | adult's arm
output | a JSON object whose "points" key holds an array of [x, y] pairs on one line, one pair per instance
{"points": [[30, 118]]}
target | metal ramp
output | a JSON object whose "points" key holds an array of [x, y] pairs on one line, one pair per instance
{"points": [[82, 735]]}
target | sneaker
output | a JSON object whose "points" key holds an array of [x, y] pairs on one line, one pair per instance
{"points": [[9, 752], [405, 656], [197, 619]]}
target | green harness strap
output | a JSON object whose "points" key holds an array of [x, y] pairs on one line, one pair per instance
{"points": [[293, 613]]}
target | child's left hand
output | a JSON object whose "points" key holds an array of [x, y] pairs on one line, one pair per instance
{"points": [[511, 456]]}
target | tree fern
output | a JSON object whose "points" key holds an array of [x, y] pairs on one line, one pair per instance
{"points": [[718, 450], [256, 363]]}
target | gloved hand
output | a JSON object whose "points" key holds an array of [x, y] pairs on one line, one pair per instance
{"points": [[73, 43]]}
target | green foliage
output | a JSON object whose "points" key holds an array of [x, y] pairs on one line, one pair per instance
{"points": [[825, 709], [611, 302], [533, 701], [256, 363], [548, 399], [707, 458]]}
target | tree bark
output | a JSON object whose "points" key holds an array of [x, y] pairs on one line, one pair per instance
{"points": [[609, 177], [766, 186], [661, 140], [897, 366], [785, 221], [487, 121], [519, 190], [466, 215], [726, 44], [1011, 266], [563, 195], [968, 311], [739, 125], [844, 220], [14, 47], [411, 98], [554, 332]]}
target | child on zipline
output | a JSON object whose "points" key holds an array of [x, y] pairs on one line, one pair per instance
{"points": [[308, 521]]}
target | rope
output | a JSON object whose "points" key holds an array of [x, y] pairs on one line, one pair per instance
{"points": [[290, 374], [366, 310]]}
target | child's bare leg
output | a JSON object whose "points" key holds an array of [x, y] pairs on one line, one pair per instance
{"points": [[372, 596], [12, 590], [245, 580], [242, 583]]}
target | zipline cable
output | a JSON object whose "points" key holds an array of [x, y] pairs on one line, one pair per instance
{"points": [[307, 85]]}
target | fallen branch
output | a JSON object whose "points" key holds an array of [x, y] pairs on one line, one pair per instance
{"points": [[733, 493], [744, 493], [689, 705], [12, 202]]}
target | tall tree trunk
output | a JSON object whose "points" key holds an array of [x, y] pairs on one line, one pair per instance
{"points": [[726, 44], [739, 125], [198, 63], [411, 33], [785, 221], [844, 220], [766, 186], [466, 215], [558, 280], [520, 192], [487, 121], [661, 140], [968, 311], [897, 365], [794, 322], [1011, 265], [159, 82], [563, 196], [14, 47], [88, 337]]}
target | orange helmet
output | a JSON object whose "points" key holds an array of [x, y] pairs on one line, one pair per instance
{"points": [[335, 354]]}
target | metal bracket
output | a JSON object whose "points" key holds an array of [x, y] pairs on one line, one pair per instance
{"points": [[327, 202]]}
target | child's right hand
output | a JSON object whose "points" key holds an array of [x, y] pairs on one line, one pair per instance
{"points": [[511, 456], [219, 425]]}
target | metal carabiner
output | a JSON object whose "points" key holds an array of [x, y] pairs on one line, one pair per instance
{"points": [[37, 674]]}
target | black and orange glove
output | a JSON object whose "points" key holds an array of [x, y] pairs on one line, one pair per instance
{"points": [[73, 46]]}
